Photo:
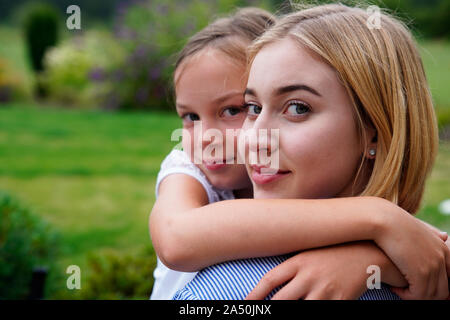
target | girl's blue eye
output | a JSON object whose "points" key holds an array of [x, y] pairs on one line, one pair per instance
{"points": [[253, 109], [297, 108], [191, 117]]}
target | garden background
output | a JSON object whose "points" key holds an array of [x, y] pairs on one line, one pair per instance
{"points": [[85, 121]]}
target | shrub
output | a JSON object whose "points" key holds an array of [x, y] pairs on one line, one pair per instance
{"points": [[41, 32], [74, 69], [426, 18], [11, 83], [152, 32], [115, 275], [26, 242], [132, 69]]}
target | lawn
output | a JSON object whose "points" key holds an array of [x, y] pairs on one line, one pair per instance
{"points": [[90, 174]]}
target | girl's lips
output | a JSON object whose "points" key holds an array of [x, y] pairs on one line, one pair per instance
{"points": [[217, 164], [213, 165], [264, 178]]}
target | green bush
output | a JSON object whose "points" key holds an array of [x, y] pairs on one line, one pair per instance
{"points": [[26, 242], [152, 32], [41, 32], [11, 83], [74, 69], [115, 275], [427, 18], [443, 116]]}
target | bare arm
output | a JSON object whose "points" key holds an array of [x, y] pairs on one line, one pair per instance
{"points": [[188, 234]]}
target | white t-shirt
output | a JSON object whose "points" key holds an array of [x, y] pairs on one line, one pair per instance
{"points": [[168, 282]]}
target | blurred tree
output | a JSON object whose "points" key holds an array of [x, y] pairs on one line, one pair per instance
{"points": [[41, 32], [97, 10], [427, 18]]}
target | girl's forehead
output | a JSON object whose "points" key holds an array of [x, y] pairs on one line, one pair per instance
{"points": [[210, 77], [208, 60], [286, 62]]}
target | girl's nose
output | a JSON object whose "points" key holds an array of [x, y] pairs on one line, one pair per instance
{"points": [[262, 140], [209, 134]]}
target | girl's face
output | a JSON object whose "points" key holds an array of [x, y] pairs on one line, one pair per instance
{"points": [[210, 89], [291, 89]]}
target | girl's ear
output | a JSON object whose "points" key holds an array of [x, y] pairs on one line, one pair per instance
{"points": [[371, 143]]}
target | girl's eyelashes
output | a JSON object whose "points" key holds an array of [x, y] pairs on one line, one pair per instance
{"points": [[294, 109], [190, 117], [253, 110], [297, 108], [232, 111], [228, 112]]}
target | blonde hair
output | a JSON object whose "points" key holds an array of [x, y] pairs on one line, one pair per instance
{"points": [[383, 74], [230, 35]]}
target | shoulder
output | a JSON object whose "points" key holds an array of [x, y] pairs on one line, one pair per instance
{"points": [[178, 162]]}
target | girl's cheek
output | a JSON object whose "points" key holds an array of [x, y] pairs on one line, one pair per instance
{"points": [[188, 142], [247, 124], [303, 144]]}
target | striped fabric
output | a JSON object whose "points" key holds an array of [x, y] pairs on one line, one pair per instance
{"points": [[233, 280]]}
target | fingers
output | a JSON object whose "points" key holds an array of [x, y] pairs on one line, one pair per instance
{"points": [[403, 293], [447, 261], [434, 285], [414, 291], [291, 291], [271, 280], [442, 289], [320, 295], [441, 234]]}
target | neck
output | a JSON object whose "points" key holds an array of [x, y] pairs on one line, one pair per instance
{"points": [[246, 193], [357, 187]]}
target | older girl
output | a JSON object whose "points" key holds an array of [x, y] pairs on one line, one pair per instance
{"points": [[355, 118]]}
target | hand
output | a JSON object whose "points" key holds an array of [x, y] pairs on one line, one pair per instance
{"points": [[419, 252], [336, 272], [441, 234], [447, 242]]}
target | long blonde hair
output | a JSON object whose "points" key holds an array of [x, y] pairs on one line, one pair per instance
{"points": [[383, 73]]}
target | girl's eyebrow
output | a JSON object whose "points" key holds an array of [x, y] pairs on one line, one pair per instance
{"points": [[181, 106], [286, 89], [249, 91], [218, 100], [295, 87], [227, 96]]}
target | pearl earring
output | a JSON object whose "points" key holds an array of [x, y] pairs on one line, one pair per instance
{"points": [[372, 152]]}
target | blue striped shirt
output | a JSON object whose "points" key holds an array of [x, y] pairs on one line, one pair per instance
{"points": [[233, 280]]}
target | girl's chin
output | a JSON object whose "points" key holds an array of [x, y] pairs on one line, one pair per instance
{"points": [[268, 194], [227, 182]]}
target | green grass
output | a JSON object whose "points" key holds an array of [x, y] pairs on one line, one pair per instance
{"points": [[436, 59], [437, 190], [90, 174]]}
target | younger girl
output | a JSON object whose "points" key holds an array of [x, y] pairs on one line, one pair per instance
{"points": [[192, 228], [210, 81]]}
